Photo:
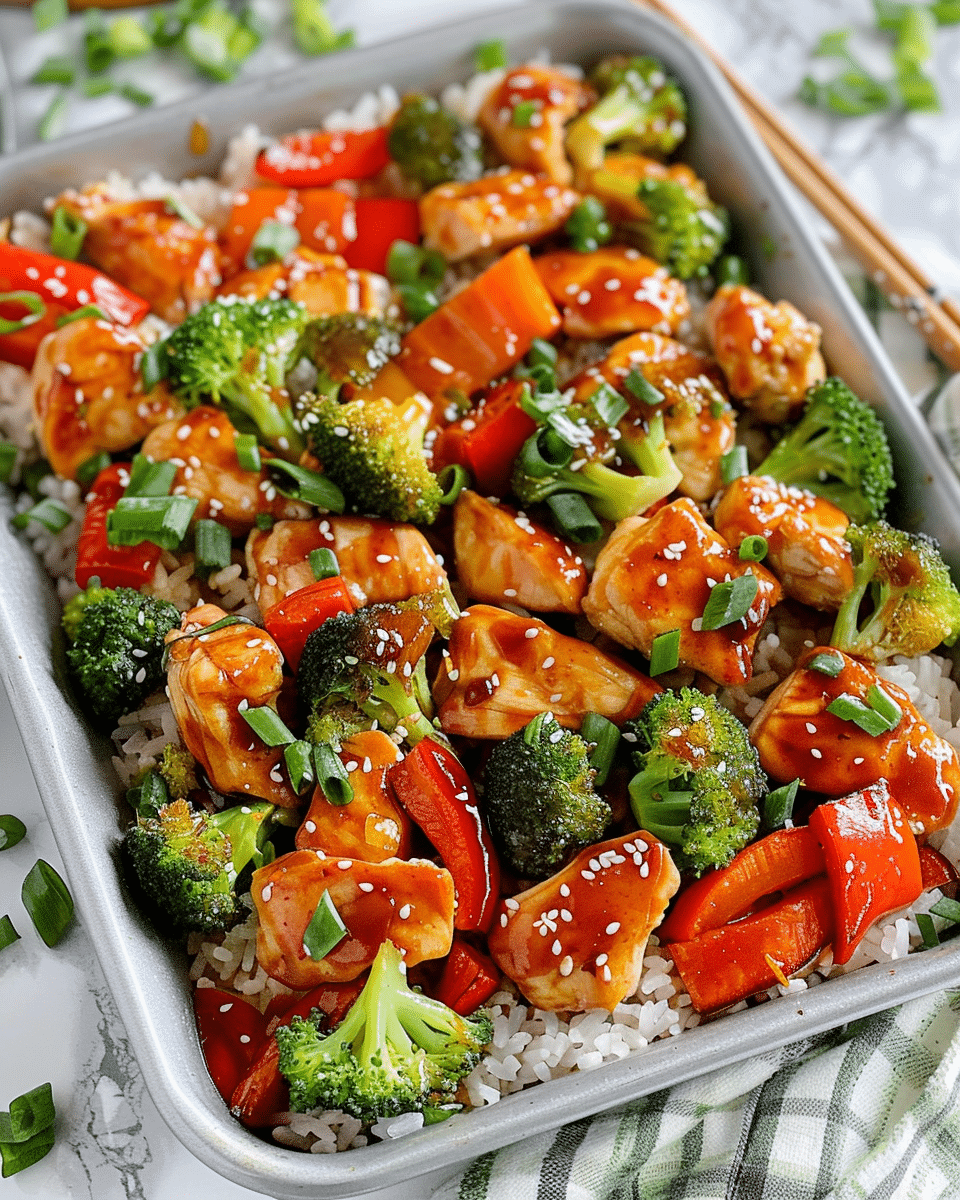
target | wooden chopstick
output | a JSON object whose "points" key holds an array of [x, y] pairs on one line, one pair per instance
{"points": [[907, 288]]}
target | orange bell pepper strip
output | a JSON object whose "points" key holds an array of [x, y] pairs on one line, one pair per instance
{"points": [[780, 861], [436, 792], [936, 870], [114, 566], [324, 218], [469, 978], [487, 439], [291, 620], [380, 222], [231, 1034], [318, 159], [872, 861], [483, 330], [723, 966]]}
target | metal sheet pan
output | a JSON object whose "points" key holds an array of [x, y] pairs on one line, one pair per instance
{"points": [[74, 776]]}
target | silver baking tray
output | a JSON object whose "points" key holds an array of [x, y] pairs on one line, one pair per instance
{"points": [[147, 976]]}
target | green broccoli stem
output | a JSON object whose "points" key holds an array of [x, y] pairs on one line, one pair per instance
{"points": [[848, 633], [613, 117], [274, 424], [392, 706], [614, 496], [248, 828], [650, 451], [657, 809]]}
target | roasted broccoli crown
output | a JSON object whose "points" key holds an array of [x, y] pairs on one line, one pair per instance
{"points": [[373, 451], [685, 230], [539, 798], [347, 348], [237, 352], [75, 607], [838, 449], [699, 782], [912, 603], [187, 862], [116, 655], [640, 107], [432, 145], [350, 674], [395, 1051]]}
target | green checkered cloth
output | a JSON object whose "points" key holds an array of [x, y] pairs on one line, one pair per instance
{"points": [[871, 1111]]}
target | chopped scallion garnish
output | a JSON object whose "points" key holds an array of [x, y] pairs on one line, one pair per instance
{"points": [[8, 461], [91, 467], [31, 302], [524, 112], [325, 930], [928, 930], [297, 483], [248, 452], [47, 13], [12, 831], [642, 389], [150, 478], [17, 1156], [732, 269], [52, 122], [323, 563], [27, 1130], [163, 520], [452, 479], [884, 705], [56, 69], [409, 263], [267, 724], [729, 601], [734, 464], [135, 95], [272, 242], [605, 737], [665, 652], [212, 546], [610, 406], [46, 898], [489, 56], [852, 708], [587, 226], [298, 757], [331, 776], [574, 518], [828, 662], [543, 453], [49, 513], [93, 311], [154, 365], [263, 521], [753, 548], [183, 211], [419, 300], [150, 796], [948, 909], [778, 805]]}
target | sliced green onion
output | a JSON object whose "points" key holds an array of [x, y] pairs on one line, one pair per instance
{"points": [[852, 708], [885, 706], [523, 114], [28, 1114], [734, 464], [928, 930], [665, 652], [948, 909], [308, 486], [267, 724], [49, 513], [298, 757], [408, 263], [223, 623], [732, 269], [135, 95], [150, 478], [272, 242], [55, 69], [53, 120], [248, 452], [8, 460], [828, 662], [212, 546], [163, 520], [264, 521], [542, 354], [419, 300], [313, 30], [544, 453], [97, 47], [17, 1156], [753, 548], [154, 365], [778, 805], [8, 935], [489, 56], [12, 830], [452, 480], [91, 467], [610, 406], [331, 776], [93, 89], [325, 930], [642, 389], [541, 403], [34, 474], [729, 601], [47, 13], [574, 517], [81, 314], [31, 302], [128, 37], [587, 226], [149, 796], [605, 737], [323, 563], [47, 900], [717, 407], [946, 12], [175, 205]]}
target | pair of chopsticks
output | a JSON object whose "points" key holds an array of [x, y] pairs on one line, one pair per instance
{"points": [[936, 318]]}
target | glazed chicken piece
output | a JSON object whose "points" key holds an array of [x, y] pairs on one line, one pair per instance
{"points": [[408, 901], [612, 290], [503, 557], [770, 353], [656, 575], [379, 560], [577, 940], [209, 677], [798, 739], [88, 394], [202, 445], [532, 137], [502, 670], [493, 213], [322, 283], [806, 549], [372, 826], [698, 419], [147, 247]]}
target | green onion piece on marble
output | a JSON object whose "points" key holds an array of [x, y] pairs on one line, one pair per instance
{"points": [[12, 831], [8, 935], [489, 56], [48, 901]]}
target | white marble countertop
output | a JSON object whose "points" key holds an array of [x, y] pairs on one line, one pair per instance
{"points": [[59, 1021]]}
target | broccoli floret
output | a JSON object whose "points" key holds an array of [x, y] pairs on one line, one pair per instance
{"points": [[700, 781], [187, 862], [644, 442], [539, 798], [395, 1051], [685, 230], [641, 106], [237, 352], [432, 145], [913, 603], [116, 657], [74, 609], [346, 348], [373, 451], [177, 769], [350, 674], [838, 449]]}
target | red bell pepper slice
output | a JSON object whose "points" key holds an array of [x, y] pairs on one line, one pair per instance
{"points": [[291, 620], [380, 222], [487, 439], [262, 1091], [436, 792], [723, 966], [775, 863], [114, 566], [936, 870], [315, 159], [232, 1033], [324, 218], [872, 861], [469, 978]]}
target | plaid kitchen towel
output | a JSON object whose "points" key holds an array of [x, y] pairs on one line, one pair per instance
{"points": [[870, 1112]]}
